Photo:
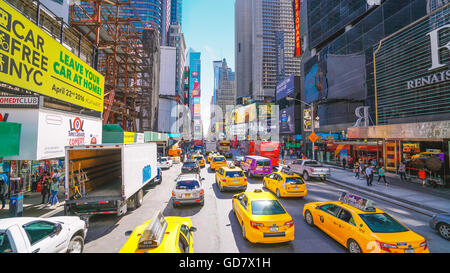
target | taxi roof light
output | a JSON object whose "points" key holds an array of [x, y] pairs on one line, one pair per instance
{"points": [[154, 232], [357, 202]]}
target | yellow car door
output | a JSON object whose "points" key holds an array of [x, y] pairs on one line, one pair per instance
{"points": [[325, 214], [238, 207], [345, 226]]}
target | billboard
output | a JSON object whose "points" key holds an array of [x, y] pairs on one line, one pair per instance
{"points": [[245, 114], [315, 80], [287, 120], [33, 60], [285, 88], [298, 43], [45, 133]]}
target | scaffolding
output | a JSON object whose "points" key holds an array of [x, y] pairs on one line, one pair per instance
{"points": [[121, 56]]}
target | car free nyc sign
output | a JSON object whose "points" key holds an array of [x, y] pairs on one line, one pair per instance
{"points": [[31, 59]]}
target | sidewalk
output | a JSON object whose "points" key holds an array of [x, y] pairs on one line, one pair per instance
{"points": [[424, 199], [32, 206]]}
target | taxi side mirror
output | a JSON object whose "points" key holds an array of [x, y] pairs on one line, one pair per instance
{"points": [[192, 229], [203, 178], [128, 233]]}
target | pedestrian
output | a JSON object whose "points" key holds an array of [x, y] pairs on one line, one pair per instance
{"points": [[344, 162], [356, 169], [3, 192], [291, 152], [381, 175], [369, 175], [45, 192], [422, 176], [34, 181], [362, 169], [54, 188], [402, 171]]}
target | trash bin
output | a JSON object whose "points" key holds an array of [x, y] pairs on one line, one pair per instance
{"points": [[16, 204]]}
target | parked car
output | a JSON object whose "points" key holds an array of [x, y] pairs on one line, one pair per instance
{"points": [[190, 166], [63, 234], [165, 163], [256, 166], [441, 223], [188, 190], [309, 168]]}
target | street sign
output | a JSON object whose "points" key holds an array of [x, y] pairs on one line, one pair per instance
{"points": [[313, 137]]}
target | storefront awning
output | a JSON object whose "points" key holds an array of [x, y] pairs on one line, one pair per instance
{"points": [[9, 139]]}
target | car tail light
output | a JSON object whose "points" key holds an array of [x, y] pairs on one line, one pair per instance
{"points": [[385, 246], [245, 178], [173, 194], [289, 224], [224, 180], [256, 225], [424, 245], [202, 192], [312, 169]]}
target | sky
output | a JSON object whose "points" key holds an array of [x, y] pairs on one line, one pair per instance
{"points": [[208, 27]]}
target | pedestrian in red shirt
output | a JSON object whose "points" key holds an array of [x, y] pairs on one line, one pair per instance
{"points": [[422, 176]]}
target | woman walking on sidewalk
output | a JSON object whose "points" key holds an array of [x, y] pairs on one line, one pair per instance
{"points": [[381, 175], [356, 170], [54, 187], [45, 191]]}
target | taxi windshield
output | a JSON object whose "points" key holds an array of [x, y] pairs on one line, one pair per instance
{"points": [[219, 159], [267, 207], [313, 164], [234, 174], [187, 185], [382, 223], [261, 163], [294, 180]]}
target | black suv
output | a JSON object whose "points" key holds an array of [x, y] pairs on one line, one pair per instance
{"points": [[190, 166]]}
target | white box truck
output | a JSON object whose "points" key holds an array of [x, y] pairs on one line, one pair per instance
{"points": [[210, 146], [108, 178]]}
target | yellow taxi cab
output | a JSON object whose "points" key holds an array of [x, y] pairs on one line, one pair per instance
{"points": [[200, 158], [161, 235], [285, 184], [217, 162], [361, 228], [231, 177], [262, 217], [210, 155]]}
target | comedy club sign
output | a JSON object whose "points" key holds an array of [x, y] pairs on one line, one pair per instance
{"points": [[33, 60]]}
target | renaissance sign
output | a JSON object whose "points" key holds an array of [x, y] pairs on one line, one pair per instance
{"points": [[33, 60], [436, 62]]}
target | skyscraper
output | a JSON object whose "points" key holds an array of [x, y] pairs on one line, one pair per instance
{"points": [[150, 12], [176, 12], [257, 22]]}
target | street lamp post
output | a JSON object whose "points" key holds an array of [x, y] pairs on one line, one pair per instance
{"points": [[312, 119]]}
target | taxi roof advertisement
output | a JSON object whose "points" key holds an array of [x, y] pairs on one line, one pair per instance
{"points": [[33, 60]]}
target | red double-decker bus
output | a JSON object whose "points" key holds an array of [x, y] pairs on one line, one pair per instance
{"points": [[267, 149]]}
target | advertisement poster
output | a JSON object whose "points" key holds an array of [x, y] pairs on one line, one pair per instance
{"points": [[287, 121], [315, 81], [33, 60], [285, 88]]}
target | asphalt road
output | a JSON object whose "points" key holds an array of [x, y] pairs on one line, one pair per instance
{"points": [[218, 230]]}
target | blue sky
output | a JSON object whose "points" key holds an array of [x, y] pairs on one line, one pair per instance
{"points": [[208, 27]]}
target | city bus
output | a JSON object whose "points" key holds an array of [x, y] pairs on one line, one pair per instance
{"points": [[266, 149]]}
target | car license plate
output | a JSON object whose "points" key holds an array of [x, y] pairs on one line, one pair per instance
{"points": [[187, 195], [189, 169], [273, 228], [321, 175], [409, 250], [295, 188], [236, 181]]}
